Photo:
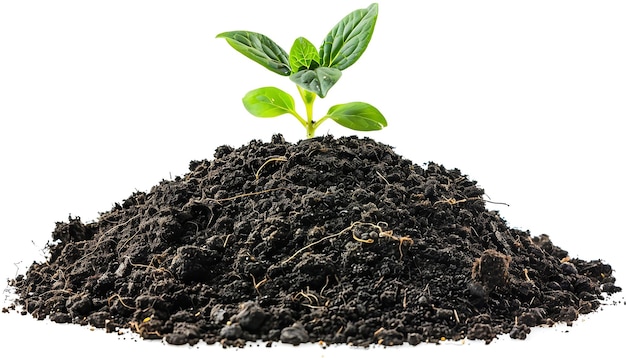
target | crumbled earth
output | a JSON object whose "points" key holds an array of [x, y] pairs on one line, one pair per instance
{"points": [[335, 240]]}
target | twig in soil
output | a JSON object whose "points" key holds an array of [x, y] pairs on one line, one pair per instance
{"points": [[453, 201], [115, 227], [226, 239], [258, 284], [366, 241], [142, 328], [121, 301], [388, 234], [404, 302], [123, 243], [248, 194], [382, 278], [494, 202], [314, 301], [309, 296], [427, 289], [151, 265], [281, 158], [196, 225], [526, 275], [323, 288], [380, 231], [382, 177], [317, 242]]}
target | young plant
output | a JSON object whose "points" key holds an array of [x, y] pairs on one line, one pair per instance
{"points": [[313, 71]]}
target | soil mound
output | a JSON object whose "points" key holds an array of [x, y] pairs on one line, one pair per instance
{"points": [[335, 240]]}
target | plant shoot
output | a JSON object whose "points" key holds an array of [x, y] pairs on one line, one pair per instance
{"points": [[314, 71]]}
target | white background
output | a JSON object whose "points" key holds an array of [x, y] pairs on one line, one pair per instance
{"points": [[99, 99]]}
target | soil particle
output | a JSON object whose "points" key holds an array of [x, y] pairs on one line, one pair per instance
{"points": [[492, 269], [231, 331], [334, 240], [519, 332], [295, 334], [481, 331], [184, 333], [250, 317]]}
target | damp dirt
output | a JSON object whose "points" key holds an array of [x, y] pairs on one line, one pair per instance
{"points": [[339, 240]]}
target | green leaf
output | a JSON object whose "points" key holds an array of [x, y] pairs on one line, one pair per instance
{"points": [[260, 49], [303, 55], [318, 81], [359, 116], [268, 102], [347, 41]]}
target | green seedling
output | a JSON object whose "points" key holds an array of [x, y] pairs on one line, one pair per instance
{"points": [[313, 71]]}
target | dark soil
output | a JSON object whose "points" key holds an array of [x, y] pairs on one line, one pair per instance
{"points": [[333, 240]]}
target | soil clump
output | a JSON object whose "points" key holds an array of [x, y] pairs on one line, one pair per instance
{"points": [[339, 240]]}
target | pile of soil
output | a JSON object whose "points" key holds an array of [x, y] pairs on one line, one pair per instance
{"points": [[334, 240]]}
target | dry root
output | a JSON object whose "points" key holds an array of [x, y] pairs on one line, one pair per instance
{"points": [[377, 229]]}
